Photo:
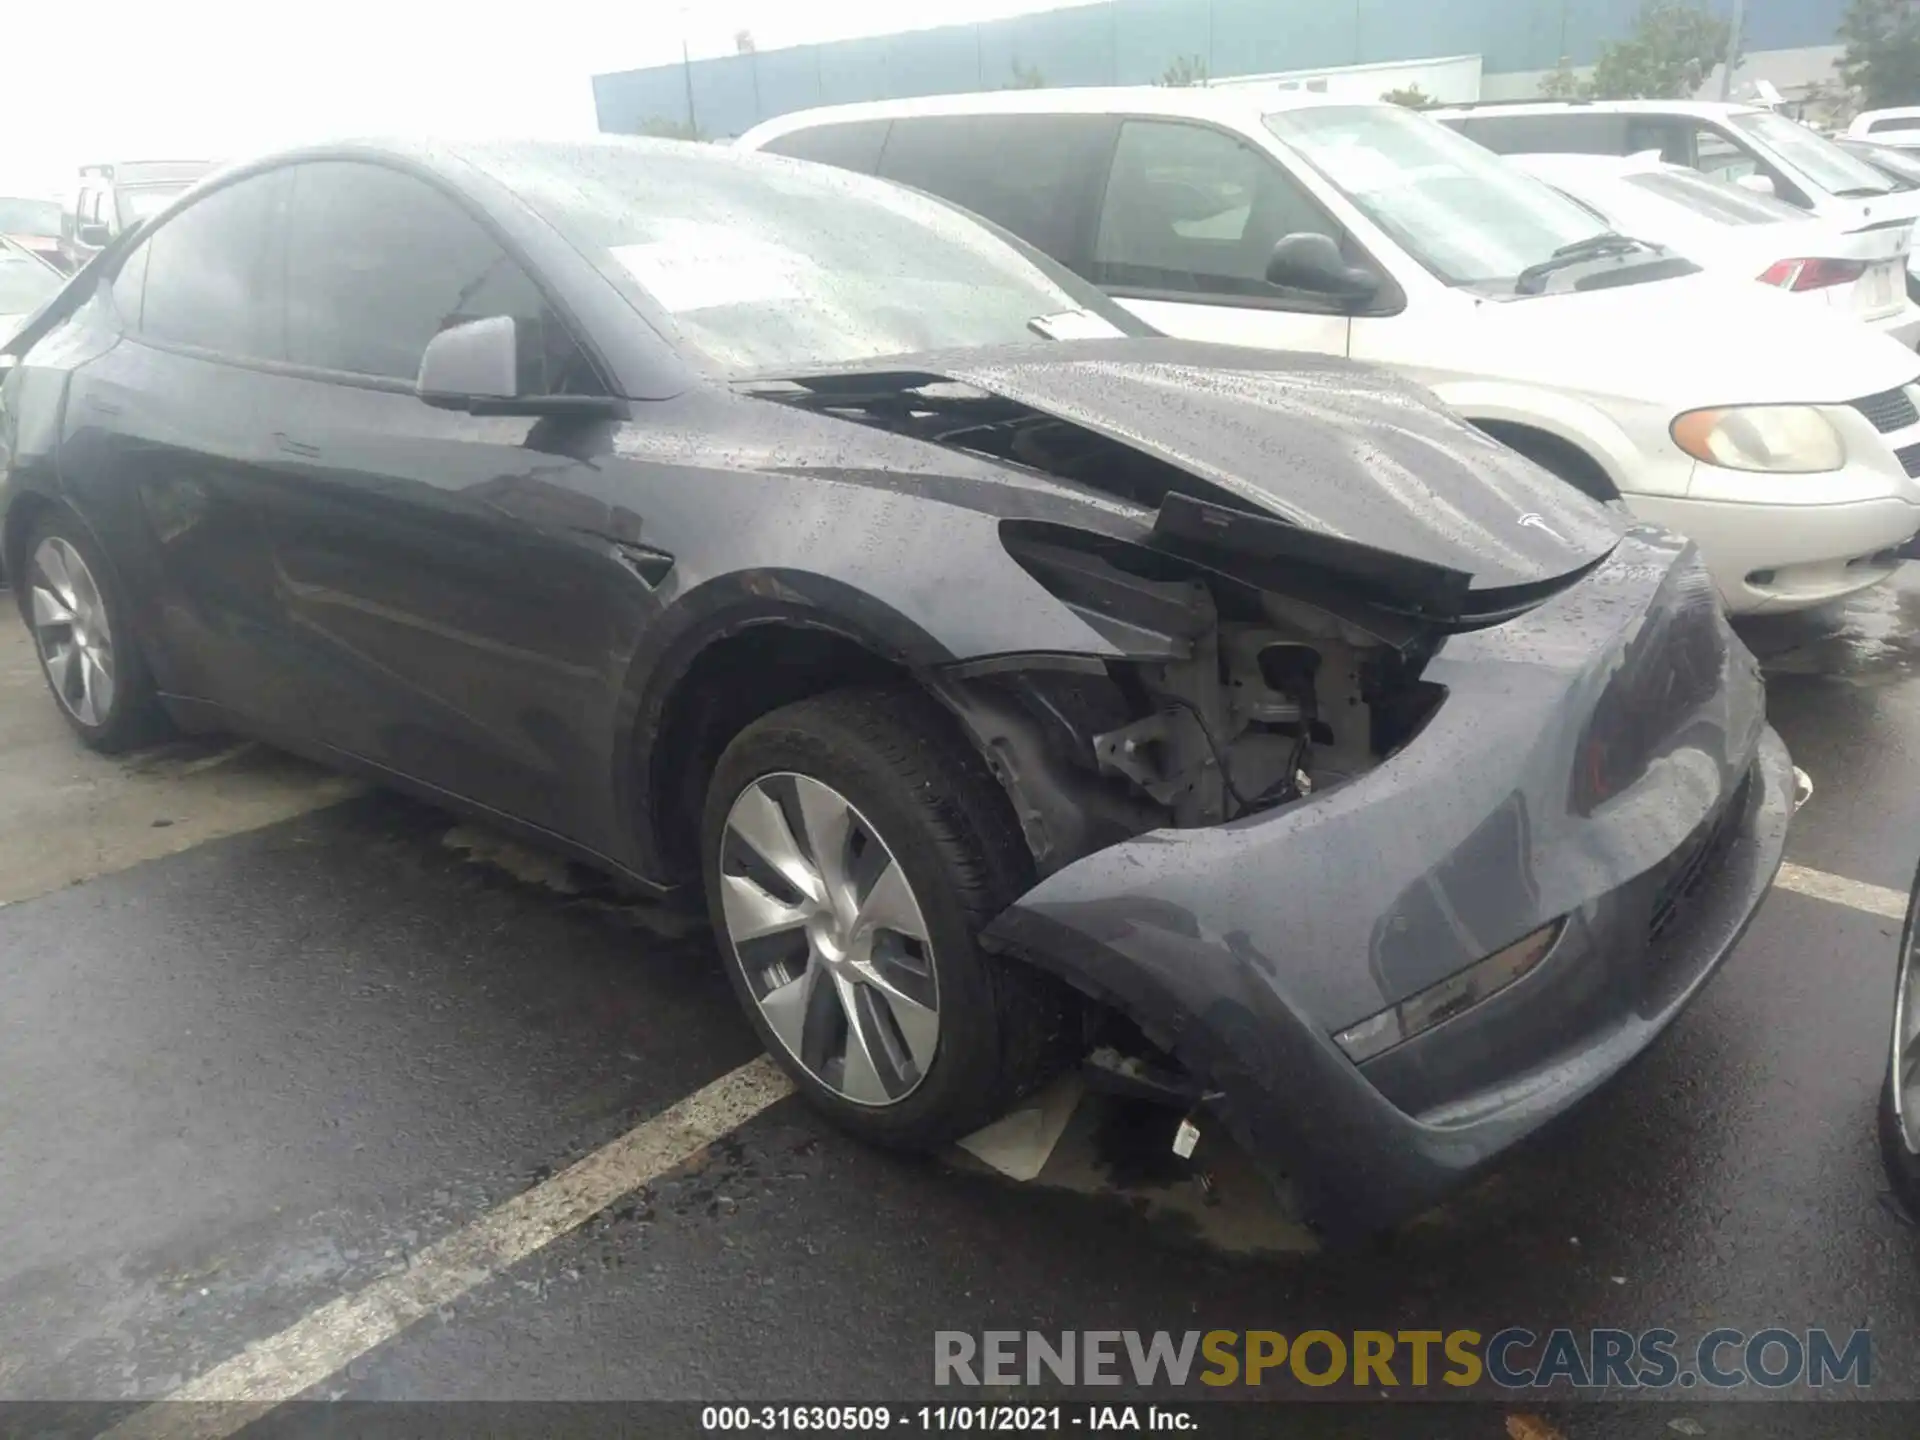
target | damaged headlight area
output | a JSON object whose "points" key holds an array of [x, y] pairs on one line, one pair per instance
{"points": [[1232, 699], [1452, 996]]}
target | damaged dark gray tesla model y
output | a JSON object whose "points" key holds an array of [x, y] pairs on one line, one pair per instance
{"points": [[1013, 682]]}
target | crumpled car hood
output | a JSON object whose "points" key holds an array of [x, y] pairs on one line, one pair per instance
{"points": [[1343, 449]]}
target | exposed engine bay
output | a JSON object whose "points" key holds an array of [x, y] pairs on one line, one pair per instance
{"points": [[1267, 661], [1240, 700]]}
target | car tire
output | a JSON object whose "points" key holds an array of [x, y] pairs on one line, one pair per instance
{"points": [[1897, 1155], [82, 631], [919, 799], [1901, 1164]]}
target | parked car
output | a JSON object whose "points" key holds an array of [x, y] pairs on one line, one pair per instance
{"points": [[1744, 235], [26, 283], [1901, 166], [34, 225], [733, 522], [1744, 144], [1898, 126], [113, 198], [1366, 230]]}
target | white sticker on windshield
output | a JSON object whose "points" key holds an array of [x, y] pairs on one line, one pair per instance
{"points": [[698, 267]]}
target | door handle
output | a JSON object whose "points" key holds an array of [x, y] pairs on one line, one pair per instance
{"points": [[296, 447]]}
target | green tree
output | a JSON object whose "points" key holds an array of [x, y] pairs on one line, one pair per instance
{"points": [[1563, 83], [1184, 71], [1674, 46], [1026, 77], [1411, 96], [663, 129], [1882, 58]]}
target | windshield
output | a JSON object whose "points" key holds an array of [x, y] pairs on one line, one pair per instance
{"points": [[1813, 155], [142, 202], [29, 217], [1461, 211], [25, 285], [1714, 199], [767, 264], [1901, 167]]}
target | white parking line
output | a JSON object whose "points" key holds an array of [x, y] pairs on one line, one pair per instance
{"points": [[1874, 899], [239, 1391]]}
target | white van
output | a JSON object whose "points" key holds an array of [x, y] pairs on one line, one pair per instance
{"points": [[1783, 439]]}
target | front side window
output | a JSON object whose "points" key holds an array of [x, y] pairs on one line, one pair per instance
{"points": [[1194, 210], [207, 281], [1034, 174], [761, 264], [140, 203], [1463, 213], [854, 145], [1716, 156], [1813, 155], [379, 262], [1568, 134]]}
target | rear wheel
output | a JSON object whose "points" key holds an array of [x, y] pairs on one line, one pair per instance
{"points": [[83, 637], [854, 849]]}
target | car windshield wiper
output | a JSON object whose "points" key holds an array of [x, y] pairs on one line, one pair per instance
{"points": [[1532, 280], [1865, 192]]}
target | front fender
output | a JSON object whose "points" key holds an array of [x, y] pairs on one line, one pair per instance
{"points": [[1580, 424]]}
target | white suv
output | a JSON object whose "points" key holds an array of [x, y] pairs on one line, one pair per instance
{"points": [[1783, 439]]}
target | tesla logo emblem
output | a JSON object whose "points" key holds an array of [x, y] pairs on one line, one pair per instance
{"points": [[1538, 524]]}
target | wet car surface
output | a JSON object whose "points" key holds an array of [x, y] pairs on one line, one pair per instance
{"points": [[265, 1070]]}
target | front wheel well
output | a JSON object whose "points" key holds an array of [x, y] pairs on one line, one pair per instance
{"points": [[729, 685], [21, 515], [1551, 453]]}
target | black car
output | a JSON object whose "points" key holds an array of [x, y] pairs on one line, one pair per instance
{"points": [[1012, 681]]}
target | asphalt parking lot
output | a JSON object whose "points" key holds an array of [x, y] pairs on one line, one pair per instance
{"points": [[270, 1039]]}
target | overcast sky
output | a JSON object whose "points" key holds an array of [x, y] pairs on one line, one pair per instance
{"points": [[122, 79]]}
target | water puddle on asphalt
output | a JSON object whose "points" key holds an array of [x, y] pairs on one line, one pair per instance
{"points": [[1871, 639]]}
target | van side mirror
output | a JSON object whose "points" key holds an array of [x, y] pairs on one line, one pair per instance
{"points": [[1758, 183], [475, 367], [1312, 262]]}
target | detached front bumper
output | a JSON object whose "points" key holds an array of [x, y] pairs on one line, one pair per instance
{"points": [[1604, 761]]}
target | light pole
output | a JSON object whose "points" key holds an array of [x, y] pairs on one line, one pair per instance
{"points": [[1733, 48], [686, 71]]}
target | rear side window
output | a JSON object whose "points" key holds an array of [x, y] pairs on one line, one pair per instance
{"points": [[379, 262], [1549, 134], [1194, 210], [203, 278], [852, 146], [1036, 175], [1897, 122]]}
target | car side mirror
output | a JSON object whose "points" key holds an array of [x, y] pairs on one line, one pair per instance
{"points": [[469, 365], [1312, 262], [1758, 183], [92, 234], [475, 367]]}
